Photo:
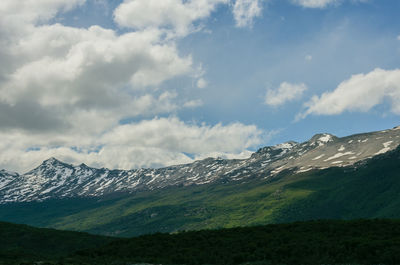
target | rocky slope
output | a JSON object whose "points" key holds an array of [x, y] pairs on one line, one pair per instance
{"points": [[55, 179]]}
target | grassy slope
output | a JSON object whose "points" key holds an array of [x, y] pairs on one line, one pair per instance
{"points": [[195, 207], [369, 191]]}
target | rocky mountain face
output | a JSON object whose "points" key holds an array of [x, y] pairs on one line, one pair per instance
{"points": [[55, 179]]}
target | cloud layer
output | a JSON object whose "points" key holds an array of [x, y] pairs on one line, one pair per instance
{"points": [[148, 143], [66, 91]]}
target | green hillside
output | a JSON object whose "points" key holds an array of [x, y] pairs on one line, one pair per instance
{"points": [[19, 243], [368, 190]]}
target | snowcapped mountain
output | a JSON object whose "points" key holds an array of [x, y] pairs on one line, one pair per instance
{"points": [[55, 179]]}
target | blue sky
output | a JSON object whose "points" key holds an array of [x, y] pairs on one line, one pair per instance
{"points": [[343, 40], [135, 83]]}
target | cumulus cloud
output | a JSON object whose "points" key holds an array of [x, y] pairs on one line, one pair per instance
{"points": [[68, 92], [284, 93], [51, 75], [201, 83], [176, 15], [32, 11], [360, 93], [193, 103], [322, 3], [315, 3], [245, 11], [69, 66], [148, 143]]}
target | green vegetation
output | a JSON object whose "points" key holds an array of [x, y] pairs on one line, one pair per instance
{"points": [[313, 242], [20, 243], [190, 208], [368, 190]]}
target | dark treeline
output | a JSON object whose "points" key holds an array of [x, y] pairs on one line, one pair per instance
{"points": [[313, 242], [316, 242]]}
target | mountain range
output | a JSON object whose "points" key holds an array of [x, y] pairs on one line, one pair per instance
{"points": [[286, 182]]}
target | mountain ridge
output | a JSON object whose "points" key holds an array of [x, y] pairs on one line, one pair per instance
{"points": [[56, 179], [366, 189]]}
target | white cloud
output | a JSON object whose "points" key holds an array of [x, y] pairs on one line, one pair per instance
{"points": [[314, 3], [64, 91], [76, 76], [32, 11], [177, 15], [193, 103], [175, 135], [245, 11], [155, 142], [284, 93], [322, 3], [360, 93], [308, 57], [201, 83], [398, 37], [88, 62]]}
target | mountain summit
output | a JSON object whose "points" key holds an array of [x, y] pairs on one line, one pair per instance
{"points": [[55, 179]]}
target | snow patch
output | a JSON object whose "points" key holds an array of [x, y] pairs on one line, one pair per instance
{"points": [[287, 145], [303, 169], [342, 148], [318, 157], [277, 170], [338, 155], [385, 148], [387, 144], [326, 138]]}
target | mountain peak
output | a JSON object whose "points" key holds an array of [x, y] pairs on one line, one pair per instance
{"points": [[83, 165], [51, 160], [286, 145], [322, 138]]}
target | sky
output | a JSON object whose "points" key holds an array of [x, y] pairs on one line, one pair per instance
{"points": [[151, 83]]}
